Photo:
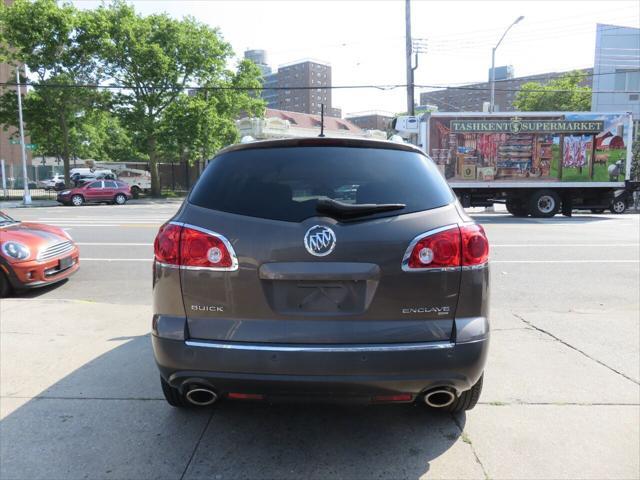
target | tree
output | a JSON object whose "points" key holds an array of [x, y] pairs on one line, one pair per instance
{"points": [[155, 59], [196, 125], [560, 95], [49, 40]]}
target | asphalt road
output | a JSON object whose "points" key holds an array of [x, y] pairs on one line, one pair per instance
{"points": [[80, 396]]}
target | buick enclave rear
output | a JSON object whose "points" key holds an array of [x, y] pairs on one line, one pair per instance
{"points": [[321, 269]]}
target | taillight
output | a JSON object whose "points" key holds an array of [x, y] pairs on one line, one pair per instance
{"points": [[475, 246], [437, 249], [191, 247], [166, 246], [447, 247], [204, 249]]}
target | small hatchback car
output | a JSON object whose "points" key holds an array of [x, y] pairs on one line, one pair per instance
{"points": [[321, 269], [34, 255]]}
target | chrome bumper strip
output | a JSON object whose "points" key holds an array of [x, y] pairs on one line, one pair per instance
{"points": [[395, 347]]}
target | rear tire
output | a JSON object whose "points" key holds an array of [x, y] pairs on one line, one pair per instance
{"points": [[135, 191], [120, 199], [77, 200], [467, 400], [173, 396], [544, 204], [5, 286], [618, 206]]}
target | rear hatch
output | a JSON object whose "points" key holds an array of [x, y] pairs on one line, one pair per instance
{"points": [[319, 234]]}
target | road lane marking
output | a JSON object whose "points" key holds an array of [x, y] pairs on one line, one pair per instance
{"points": [[85, 259], [564, 261], [555, 245], [114, 244]]}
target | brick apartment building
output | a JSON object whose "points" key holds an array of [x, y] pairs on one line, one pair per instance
{"points": [[299, 85], [469, 100], [373, 120]]}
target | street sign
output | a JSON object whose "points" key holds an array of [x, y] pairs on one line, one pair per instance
{"points": [[31, 146]]}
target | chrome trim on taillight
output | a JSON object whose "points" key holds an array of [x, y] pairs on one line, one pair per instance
{"points": [[414, 242], [222, 238]]}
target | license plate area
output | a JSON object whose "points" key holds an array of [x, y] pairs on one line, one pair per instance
{"points": [[295, 297], [65, 263]]}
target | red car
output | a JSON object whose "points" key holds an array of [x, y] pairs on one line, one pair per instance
{"points": [[98, 191], [34, 255]]}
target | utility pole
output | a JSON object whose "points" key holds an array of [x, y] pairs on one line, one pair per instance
{"points": [[27, 196], [408, 51]]}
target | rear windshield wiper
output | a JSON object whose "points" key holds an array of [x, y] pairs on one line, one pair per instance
{"points": [[348, 210]]}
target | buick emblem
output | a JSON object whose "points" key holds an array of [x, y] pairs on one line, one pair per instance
{"points": [[319, 240]]}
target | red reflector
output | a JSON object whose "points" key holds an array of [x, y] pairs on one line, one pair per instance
{"points": [[475, 246], [400, 397], [439, 250], [245, 396]]}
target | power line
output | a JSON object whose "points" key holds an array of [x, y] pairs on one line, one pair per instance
{"points": [[318, 87]]}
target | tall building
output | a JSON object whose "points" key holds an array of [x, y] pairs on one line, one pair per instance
{"points": [[297, 86], [503, 72], [472, 97], [616, 69], [308, 76]]}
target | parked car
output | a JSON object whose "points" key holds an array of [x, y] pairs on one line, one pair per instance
{"points": [[56, 182], [34, 255], [100, 191], [79, 179], [263, 290]]}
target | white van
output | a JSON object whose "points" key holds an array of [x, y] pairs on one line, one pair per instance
{"points": [[138, 180]]}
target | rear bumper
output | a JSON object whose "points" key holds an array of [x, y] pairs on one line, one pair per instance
{"points": [[321, 371]]}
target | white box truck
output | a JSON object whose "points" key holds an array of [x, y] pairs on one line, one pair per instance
{"points": [[537, 163]]}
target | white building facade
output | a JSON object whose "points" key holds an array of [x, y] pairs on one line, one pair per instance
{"points": [[616, 70]]}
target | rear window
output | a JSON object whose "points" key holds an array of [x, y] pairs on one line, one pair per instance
{"points": [[285, 183]]}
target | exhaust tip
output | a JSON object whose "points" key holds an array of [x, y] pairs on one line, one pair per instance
{"points": [[439, 398], [201, 396]]}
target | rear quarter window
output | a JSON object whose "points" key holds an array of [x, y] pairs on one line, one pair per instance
{"points": [[285, 183]]}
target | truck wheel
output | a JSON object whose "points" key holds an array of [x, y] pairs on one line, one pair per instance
{"points": [[135, 191], [516, 209], [544, 204], [618, 205], [467, 400]]}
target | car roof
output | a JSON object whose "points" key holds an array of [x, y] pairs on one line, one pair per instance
{"points": [[322, 142]]}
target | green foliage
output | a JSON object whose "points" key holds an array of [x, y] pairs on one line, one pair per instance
{"points": [[155, 58], [536, 97], [635, 160]]}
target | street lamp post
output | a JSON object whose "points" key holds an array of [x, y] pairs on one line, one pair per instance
{"points": [[493, 64], [27, 196]]}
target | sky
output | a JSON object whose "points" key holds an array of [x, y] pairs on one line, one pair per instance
{"points": [[365, 44]]}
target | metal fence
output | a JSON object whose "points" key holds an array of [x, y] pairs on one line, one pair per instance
{"points": [[175, 178]]}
